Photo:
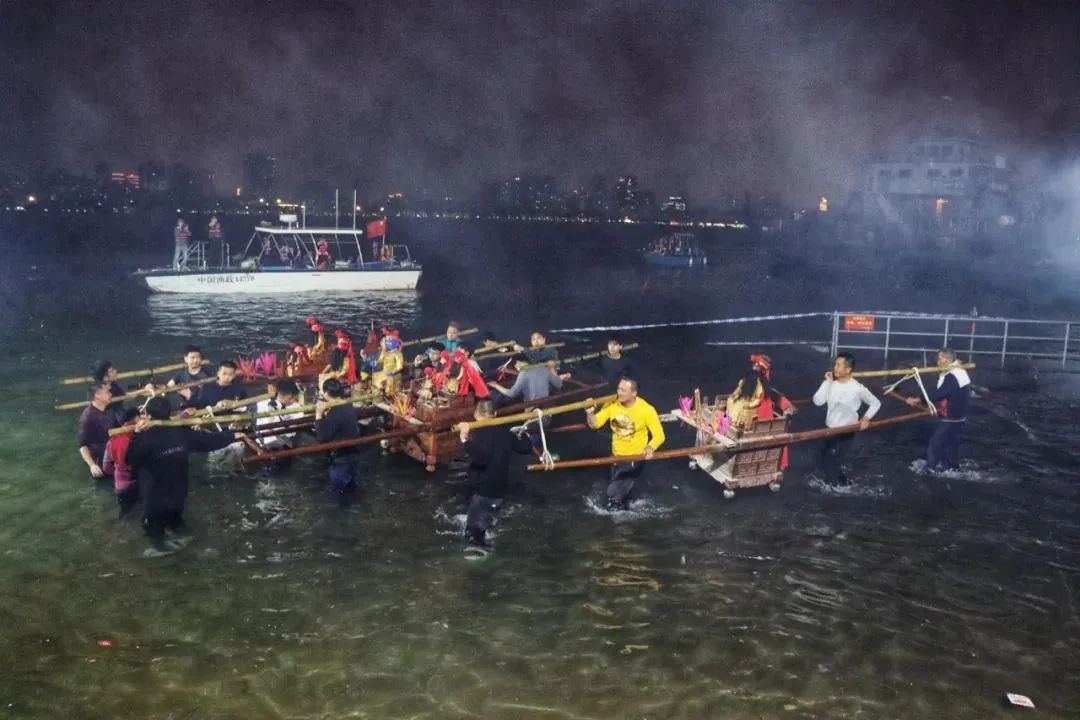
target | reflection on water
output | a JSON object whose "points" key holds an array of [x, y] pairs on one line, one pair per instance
{"points": [[246, 321], [907, 595]]}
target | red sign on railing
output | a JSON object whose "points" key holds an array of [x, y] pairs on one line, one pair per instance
{"points": [[859, 323]]}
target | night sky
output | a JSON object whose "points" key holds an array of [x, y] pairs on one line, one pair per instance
{"points": [[699, 97]]}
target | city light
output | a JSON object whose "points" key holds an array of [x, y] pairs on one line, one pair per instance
{"points": [[31, 199]]}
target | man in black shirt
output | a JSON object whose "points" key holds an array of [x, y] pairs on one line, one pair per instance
{"points": [[340, 422], [613, 365], [224, 388], [193, 372], [106, 374], [158, 457], [94, 425], [489, 452]]}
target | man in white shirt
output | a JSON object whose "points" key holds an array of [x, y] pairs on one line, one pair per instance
{"points": [[288, 396], [843, 395]]}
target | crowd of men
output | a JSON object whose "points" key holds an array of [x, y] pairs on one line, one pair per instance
{"points": [[151, 462]]}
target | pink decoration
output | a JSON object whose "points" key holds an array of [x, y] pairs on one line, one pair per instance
{"points": [[266, 364], [685, 404]]}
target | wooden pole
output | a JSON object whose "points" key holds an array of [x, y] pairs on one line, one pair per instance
{"points": [[556, 410], [130, 373], [908, 371], [762, 443], [307, 421], [461, 333], [212, 420], [139, 394], [324, 447], [658, 455], [494, 348], [575, 427], [250, 442]]}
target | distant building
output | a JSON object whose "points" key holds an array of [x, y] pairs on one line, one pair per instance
{"points": [[260, 175], [940, 183], [599, 199], [627, 197], [126, 179], [152, 177], [527, 195], [675, 208]]}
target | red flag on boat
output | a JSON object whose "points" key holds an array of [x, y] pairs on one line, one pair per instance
{"points": [[376, 228]]}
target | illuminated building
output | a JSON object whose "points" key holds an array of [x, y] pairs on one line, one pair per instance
{"points": [[942, 184], [260, 175]]}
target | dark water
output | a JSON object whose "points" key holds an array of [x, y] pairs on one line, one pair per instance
{"points": [[905, 596]]}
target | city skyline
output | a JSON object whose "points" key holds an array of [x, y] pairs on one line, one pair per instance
{"points": [[690, 95]]}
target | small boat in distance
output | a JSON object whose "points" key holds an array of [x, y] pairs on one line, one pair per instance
{"points": [[287, 259], [675, 250]]}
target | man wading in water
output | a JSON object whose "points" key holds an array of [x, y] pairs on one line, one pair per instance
{"points": [[158, 457], [489, 451], [635, 430], [843, 395]]}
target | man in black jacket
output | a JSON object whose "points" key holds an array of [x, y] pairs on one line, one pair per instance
{"points": [[951, 395], [340, 422], [489, 452], [158, 457]]}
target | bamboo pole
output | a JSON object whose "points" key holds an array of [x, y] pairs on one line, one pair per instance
{"points": [[762, 443], [164, 390], [232, 404], [556, 410], [461, 333], [323, 447], [220, 419], [130, 373], [494, 348], [581, 358], [908, 371]]}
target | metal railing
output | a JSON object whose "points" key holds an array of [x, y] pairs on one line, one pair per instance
{"points": [[893, 332]]}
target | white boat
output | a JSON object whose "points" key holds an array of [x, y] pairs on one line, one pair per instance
{"points": [[290, 259]]}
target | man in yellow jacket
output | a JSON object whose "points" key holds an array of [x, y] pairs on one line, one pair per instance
{"points": [[635, 430]]}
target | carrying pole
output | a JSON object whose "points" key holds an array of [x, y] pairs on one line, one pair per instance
{"points": [[909, 371], [517, 417], [324, 447], [762, 443]]}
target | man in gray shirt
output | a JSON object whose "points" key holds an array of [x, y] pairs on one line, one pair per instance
{"points": [[843, 395], [532, 383]]}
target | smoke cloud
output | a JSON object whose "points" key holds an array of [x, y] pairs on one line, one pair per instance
{"points": [[706, 98]]}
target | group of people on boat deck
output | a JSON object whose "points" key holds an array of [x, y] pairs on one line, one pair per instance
{"points": [[184, 248], [151, 463]]}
